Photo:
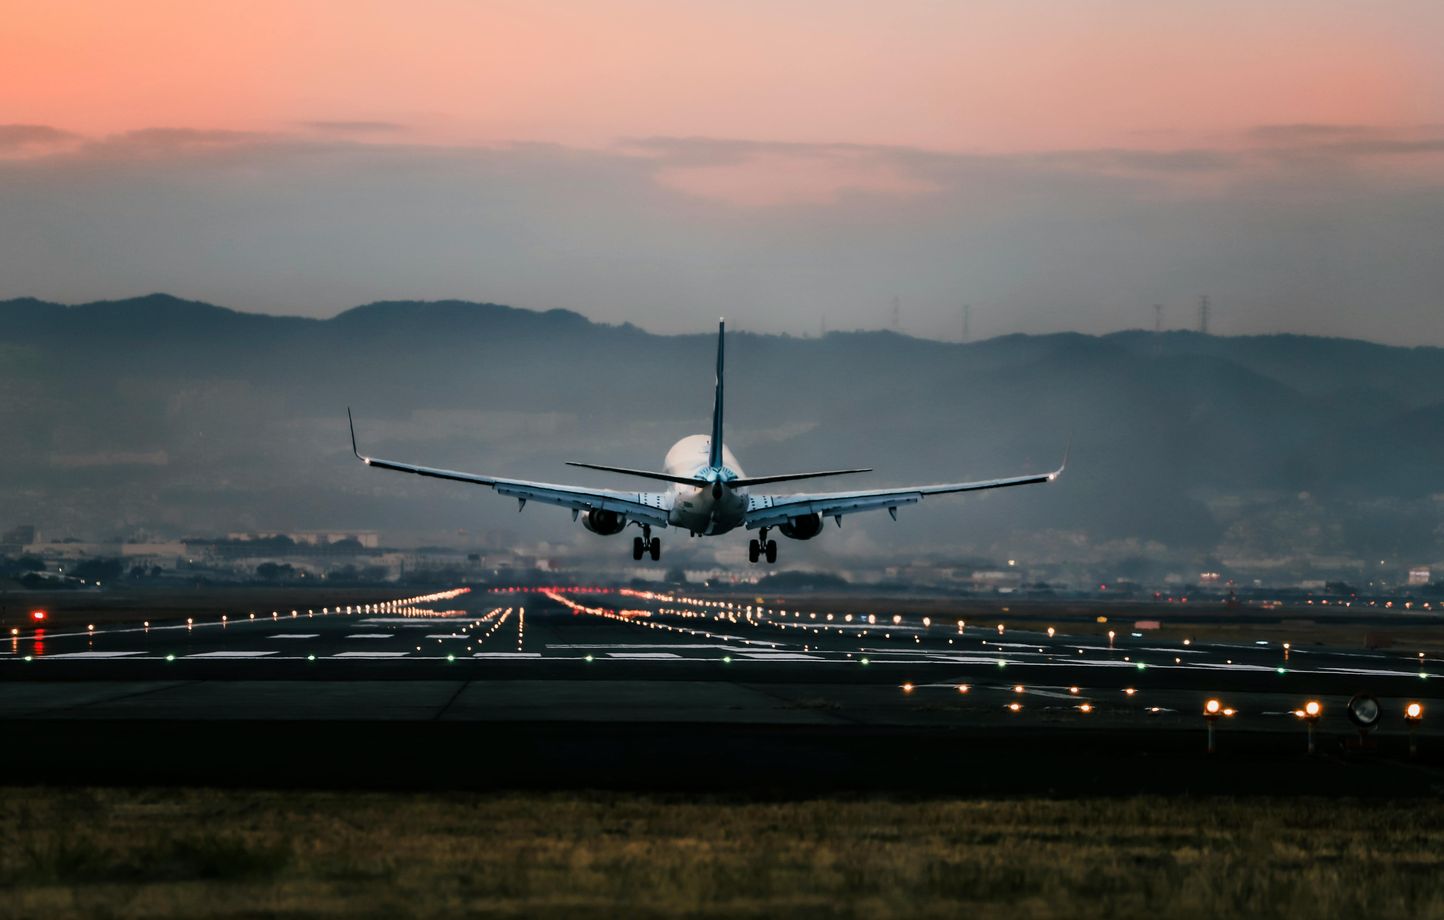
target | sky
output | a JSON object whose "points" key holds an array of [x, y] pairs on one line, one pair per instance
{"points": [[794, 165]]}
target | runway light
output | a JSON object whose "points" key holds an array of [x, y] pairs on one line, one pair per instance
{"points": [[907, 688], [1085, 707], [170, 657], [310, 657], [589, 658], [38, 615], [1313, 708], [963, 688], [1017, 688], [1212, 708], [1414, 712], [1014, 707], [1073, 690], [1130, 690], [1051, 630], [864, 661]]}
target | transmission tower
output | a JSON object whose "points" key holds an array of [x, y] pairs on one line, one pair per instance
{"points": [[1158, 317], [1203, 311], [967, 321]]}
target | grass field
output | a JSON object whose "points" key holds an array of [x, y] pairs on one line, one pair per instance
{"points": [[196, 852]]}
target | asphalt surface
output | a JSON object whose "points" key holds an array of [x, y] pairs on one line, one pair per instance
{"points": [[607, 688]]}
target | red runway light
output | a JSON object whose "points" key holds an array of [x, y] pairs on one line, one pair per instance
{"points": [[38, 615]]}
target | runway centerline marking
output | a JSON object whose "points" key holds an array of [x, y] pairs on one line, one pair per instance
{"points": [[295, 636], [370, 654]]}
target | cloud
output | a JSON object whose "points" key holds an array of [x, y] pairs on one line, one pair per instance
{"points": [[18, 137], [666, 232], [354, 127]]}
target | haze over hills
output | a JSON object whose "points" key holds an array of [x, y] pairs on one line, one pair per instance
{"points": [[1283, 453]]}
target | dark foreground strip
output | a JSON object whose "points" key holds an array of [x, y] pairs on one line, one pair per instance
{"points": [[752, 760]]}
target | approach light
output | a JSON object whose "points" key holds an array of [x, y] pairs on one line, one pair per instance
{"points": [[38, 615], [1212, 708], [907, 688], [1414, 712], [1313, 709], [1364, 711], [1085, 707], [1015, 707], [964, 688]]}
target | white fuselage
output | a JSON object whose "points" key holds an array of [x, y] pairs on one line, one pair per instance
{"points": [[697, 508]]}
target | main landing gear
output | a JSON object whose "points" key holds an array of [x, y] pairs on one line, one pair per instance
{"points": [[647, 544], [761, 546]]}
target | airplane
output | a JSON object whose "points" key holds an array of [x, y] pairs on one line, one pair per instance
{"points": [[709, 494]]}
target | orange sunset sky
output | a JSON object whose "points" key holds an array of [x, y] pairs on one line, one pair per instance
{"points": [[1059, 164]]}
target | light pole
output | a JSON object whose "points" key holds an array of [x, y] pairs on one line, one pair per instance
{"points": [[1310, 714], [1413, 715]]}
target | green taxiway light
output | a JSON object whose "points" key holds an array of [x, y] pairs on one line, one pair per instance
{"points": [[310, 657], [1281, 670], [450, 657], [170, 657], [864, 661], [589, 657], [726, 659], [1141, 666]]}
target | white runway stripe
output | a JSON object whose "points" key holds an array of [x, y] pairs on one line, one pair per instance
{"points": [[295, 636], [644, 655], [507, 655], [369, 655], [371, 636], [230, 654], [92, 654]]}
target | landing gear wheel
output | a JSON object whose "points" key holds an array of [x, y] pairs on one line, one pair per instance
{"points": [[754, 551], [654, 549], [637, 548], [771, 551]]}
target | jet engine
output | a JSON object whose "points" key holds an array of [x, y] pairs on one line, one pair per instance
{"points": [[604, 522], [802, 528]]}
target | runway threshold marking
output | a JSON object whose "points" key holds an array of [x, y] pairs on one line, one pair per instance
{"points": [[370, 655], [500, 655], [295, 636], [645, 655], [372, 636], [92, 654], [231, 654]]}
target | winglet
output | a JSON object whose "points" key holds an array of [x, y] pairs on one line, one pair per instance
{"points": [[352, 423], [1064, 465]]}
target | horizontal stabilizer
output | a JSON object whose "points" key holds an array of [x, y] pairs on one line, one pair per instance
{"points": [[789, 477], [644, 474]]}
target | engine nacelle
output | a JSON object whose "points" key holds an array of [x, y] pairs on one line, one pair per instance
{"points": [[802, 528], [604, 522]]}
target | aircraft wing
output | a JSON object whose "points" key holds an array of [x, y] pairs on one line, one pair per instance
{"points": [[646, 507], [773, 510]]}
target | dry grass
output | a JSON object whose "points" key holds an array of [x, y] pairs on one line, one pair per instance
{"points": [[188, 853]]}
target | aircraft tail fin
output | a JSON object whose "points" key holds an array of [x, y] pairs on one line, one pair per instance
{"points": [[714, 458]]}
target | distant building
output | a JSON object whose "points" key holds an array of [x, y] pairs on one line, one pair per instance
{"points": [[1420, 575], [369, 539]]}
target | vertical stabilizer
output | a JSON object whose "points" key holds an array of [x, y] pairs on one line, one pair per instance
{"points": [[714, 459]]}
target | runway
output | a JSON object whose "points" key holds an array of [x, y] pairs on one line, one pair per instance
{"points": [[678, 675]]}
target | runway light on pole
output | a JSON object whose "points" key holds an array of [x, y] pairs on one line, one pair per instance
{"points": [[1413, 715], [1212, 709], [1310, 714]]}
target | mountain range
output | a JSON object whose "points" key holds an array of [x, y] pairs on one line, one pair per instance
{"points": [[1280, 453]]}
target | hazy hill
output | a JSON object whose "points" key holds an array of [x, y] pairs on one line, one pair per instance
{"points": [[175, 417]]}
